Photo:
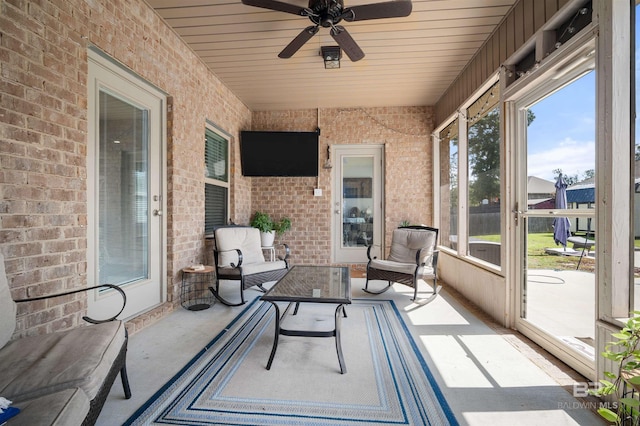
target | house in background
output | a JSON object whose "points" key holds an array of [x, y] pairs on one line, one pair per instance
{"points": [[541, 193], [582, 195]]}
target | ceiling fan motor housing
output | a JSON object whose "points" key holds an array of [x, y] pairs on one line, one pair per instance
{"points": [[326, 13]]}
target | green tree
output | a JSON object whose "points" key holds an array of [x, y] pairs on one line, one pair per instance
{"points": [[568, 179], [588, 174], [575, 178], [484, 157], [453, 176]]}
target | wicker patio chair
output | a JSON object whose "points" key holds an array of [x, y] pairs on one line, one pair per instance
{"points": [[413, 257], [238, 256]]}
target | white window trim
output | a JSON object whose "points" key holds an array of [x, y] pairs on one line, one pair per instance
{"points": [[217, 182], [463, 178]]}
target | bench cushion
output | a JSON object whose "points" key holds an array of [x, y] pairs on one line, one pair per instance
{"points": [[63, 408], [78, 358]]}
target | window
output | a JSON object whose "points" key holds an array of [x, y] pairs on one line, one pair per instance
{"points": [[216, 187], [449, 185], [470, 179], [483, 195]]}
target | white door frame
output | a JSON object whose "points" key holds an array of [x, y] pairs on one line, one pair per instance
{"points": [[107, 75], [339, 253], [517, 99]]}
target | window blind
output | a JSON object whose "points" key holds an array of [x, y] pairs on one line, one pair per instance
{"points": [[215, 156], [215, 208]]}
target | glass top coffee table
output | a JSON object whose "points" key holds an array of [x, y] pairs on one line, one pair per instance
{"points": [[311, 284]]}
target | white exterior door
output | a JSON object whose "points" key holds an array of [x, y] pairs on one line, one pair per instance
{"points": [[556, 127], [125, 221], [357, 200]]}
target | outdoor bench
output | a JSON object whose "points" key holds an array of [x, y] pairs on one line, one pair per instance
{"points": [[60, 378]]}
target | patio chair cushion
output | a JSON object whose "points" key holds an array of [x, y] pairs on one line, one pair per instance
{"points": [[39, 365], [255, 268], [7, 308], [232, 241], [412, 257], [402, 268], [406, 242], [244, 238]]}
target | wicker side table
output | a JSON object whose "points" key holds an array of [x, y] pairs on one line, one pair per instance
{"points": [[195, 294]]}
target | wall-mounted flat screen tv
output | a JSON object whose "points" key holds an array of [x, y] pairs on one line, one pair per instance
{"points": [[279, 153]]}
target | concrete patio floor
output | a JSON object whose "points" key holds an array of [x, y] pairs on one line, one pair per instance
{"points": [[562, 302], [488, 374]]}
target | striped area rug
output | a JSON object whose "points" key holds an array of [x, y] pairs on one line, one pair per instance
{"points": [[227, 383]]}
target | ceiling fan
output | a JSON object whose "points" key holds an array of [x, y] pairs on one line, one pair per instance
{"points": [[327, 14]]}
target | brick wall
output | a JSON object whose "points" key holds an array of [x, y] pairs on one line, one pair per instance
{"points": [[43, 151], [43, 143], [405, 134]]}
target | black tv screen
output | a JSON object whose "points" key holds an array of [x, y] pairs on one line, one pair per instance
{"points": [[279, 153]]}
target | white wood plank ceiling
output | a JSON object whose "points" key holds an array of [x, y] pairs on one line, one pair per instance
{"points": [[409, 61]]}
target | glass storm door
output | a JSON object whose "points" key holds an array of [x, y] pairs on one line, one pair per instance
{"points": [[126, 201], [357, 202], [555, 222]]}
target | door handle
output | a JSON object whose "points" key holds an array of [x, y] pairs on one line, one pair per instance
{"points": [[517, 214], [337, 211], [157, 212]]}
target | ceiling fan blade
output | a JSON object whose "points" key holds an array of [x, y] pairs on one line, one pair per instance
{"points": [[389, 9], [277, 6], [346, 43], [298, 42]]}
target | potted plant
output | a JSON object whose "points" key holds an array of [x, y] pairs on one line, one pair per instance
{"points": [[269, 228], [625, 353], [263, 222], [282, 226]]}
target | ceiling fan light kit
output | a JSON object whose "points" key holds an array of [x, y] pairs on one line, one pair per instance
{"points": [[331, 56], [327, 14]]}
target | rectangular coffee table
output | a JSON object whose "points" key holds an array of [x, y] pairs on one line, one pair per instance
{"points": [[314, 284]]}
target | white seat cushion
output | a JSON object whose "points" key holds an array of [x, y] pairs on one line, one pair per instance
{"points": [[254, 268], [403, 268], [389, 265], [228, 239]]}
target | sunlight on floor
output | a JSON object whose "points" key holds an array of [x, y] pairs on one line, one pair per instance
{"points": [[487, 361]]}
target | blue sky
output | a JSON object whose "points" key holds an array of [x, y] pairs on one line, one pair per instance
{"points": [[562, 135]]}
